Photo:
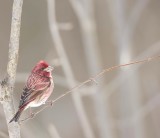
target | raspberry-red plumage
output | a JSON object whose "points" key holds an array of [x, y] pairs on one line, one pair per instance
{"points": [[37, 90]]}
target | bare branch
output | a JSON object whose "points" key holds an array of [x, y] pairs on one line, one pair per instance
{"points": [[8, 84], [97, 76]]}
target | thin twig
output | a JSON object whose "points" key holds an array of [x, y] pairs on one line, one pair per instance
{"points": [[118, 81], [97, 76], [8, 84]]}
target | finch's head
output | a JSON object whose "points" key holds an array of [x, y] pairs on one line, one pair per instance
{"points": [[43, 69]]}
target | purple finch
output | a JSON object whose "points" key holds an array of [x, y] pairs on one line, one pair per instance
{"points": [[38, 88]]}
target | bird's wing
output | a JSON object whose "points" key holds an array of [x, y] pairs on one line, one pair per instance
{"points": [[35, 86]]}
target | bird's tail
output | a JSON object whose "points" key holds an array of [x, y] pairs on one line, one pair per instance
{"points": [[16, 116]]}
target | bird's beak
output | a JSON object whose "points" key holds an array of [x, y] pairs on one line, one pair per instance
{"points": [[49, 69]]}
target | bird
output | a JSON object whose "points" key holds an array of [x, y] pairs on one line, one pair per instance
{"points": [[37, 89]]}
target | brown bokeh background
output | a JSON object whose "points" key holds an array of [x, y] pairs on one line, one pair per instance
{"points": [[95, 35]]}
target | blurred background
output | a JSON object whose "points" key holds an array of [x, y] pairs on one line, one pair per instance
{"points": [[80, 38]]}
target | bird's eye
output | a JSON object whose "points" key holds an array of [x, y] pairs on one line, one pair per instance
{"points": [[42, 69]]}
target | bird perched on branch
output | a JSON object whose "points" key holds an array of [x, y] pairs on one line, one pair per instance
{"points": [[38, 88]]}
